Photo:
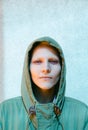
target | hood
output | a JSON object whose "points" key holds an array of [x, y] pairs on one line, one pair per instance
{"points": [[26, 85]]}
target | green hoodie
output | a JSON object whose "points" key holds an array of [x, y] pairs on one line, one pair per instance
{"points": [[26, 113]]}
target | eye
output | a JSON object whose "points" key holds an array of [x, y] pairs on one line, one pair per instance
{"points": [[53, 61], [37, 61]]}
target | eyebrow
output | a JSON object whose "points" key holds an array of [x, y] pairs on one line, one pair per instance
{"points": [[50, 58]]}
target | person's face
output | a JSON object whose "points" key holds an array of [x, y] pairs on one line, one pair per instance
{"points": [[45, 67]]}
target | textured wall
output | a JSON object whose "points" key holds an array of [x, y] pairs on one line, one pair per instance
{"points": [[1, 55], [64, 20]]}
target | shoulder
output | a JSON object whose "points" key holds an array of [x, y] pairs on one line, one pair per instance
{"points": [[75, 102], [11, 100], [76, 112], [76, 106], [10, 103]]}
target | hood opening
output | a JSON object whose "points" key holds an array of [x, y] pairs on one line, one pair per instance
{"points": [[30, 54]]}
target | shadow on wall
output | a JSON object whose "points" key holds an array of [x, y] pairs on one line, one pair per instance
{"points": [[1, 54]]}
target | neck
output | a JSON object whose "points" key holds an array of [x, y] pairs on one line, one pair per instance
{"points": [[44, 96]]}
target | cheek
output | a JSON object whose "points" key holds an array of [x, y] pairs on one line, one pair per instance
{"points": [[33, 74], [56, 75], [33, 71], [56, 71]]}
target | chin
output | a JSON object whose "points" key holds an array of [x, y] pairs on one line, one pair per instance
{"points": [[46, 88]]}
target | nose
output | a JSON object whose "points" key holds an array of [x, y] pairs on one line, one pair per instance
{"points": [[46, 68]]}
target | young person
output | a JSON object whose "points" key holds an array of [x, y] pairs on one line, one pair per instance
{"points": [[43, 105]]}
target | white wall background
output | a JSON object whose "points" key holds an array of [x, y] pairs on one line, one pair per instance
{"points": [[64, 20]]}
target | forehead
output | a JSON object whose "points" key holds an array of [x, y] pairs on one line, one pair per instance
{"points": [[45, 47]]}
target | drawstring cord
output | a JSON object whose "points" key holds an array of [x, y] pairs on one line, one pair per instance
{"points": [[28, 121], [32, 112], [57, 112], [28, 125], [61, 125]]}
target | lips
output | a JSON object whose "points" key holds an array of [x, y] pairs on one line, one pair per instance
{"points": [[45, 77]]}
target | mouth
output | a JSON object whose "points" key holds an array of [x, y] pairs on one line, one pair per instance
{"points": [[45, 77]]}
